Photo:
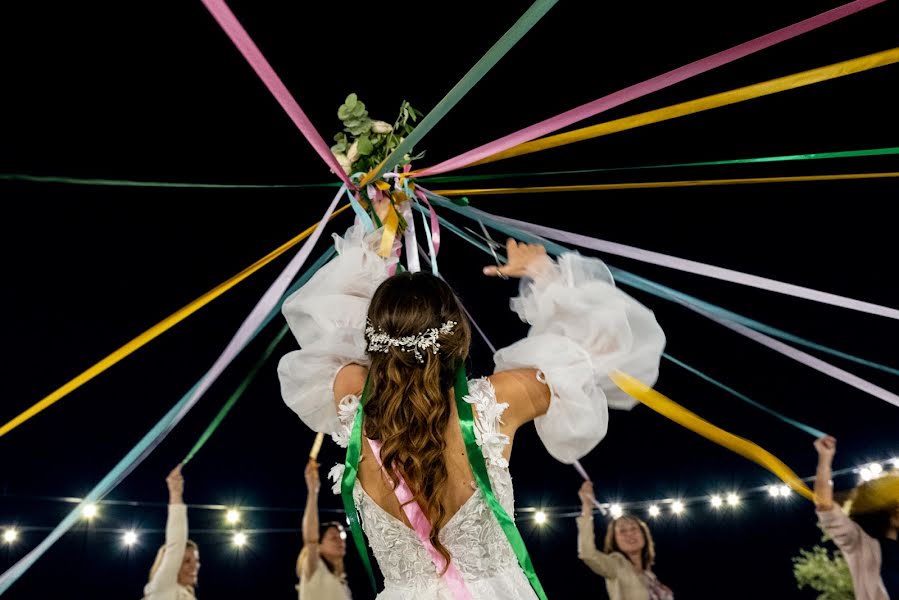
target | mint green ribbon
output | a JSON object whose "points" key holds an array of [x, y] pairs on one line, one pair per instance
{"points": [[468, 81], [478, 468]]}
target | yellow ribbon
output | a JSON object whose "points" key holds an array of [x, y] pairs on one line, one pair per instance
{"points": [[660, 184], [157, 329], [391, 223], [680, 415], [765, 88], [316, 446]]}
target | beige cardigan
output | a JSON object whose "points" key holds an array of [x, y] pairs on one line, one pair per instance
{"points": [[164, 585], [623, 582], [323, 585], [862, 553]]}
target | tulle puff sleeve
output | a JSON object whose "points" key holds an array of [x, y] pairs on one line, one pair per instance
{"points": [[582, 328], [327, 318]]}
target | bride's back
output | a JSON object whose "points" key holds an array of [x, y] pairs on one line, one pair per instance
{"points": [[418, 338]]}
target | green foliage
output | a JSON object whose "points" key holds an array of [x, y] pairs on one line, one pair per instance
{"points": [[826, 573], [364, 142]]}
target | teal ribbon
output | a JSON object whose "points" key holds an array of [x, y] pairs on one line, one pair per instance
{"points": [[134, 456], [448, 178], [661, 291], [706, 163], [478, 468], [366, 221], [668, 294], [656, 289], [160, 184], [815, 433], [235, 396], [474, 75]]}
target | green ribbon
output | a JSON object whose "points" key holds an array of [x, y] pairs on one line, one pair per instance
{"points": [[478, 468], [235, 396], [159, 184], [449, 178], [734, 161], [348, 482]]}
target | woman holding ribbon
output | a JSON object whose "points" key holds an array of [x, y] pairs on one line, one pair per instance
{"points": [[320, 563], [867, 534], [173, 575], [382, 368], [627, 556]]}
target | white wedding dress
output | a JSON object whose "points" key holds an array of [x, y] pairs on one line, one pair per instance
{"points": [[582, 327]]}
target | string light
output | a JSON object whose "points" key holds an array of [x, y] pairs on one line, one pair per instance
{"points": [[867, 472]]}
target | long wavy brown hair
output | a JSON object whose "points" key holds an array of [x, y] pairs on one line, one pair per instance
{"points": [[647, 555], [408, 404]]}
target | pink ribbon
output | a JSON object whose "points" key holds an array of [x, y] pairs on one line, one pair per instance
{"points": [[698, 268], [646, 87], [247, 47], [422, 529], [435, 224]]}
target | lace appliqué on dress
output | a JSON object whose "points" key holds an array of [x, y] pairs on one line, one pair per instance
{"points": [[475, 539]]}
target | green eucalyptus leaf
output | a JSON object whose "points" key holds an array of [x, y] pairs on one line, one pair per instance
{"points": [[365, 146]]}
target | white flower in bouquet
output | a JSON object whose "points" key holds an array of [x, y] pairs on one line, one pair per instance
{"points": [[345, 163], [381, 127], [353, 153]]}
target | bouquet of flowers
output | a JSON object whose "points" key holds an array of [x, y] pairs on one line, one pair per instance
{"points": [[364, 142]]}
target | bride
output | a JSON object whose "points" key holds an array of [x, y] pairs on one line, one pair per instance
{"points": [[396, 346]]}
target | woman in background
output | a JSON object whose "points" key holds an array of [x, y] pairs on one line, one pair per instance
{"points": [[173, 575], [867, 535], [320, 563], [627, 557]]}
